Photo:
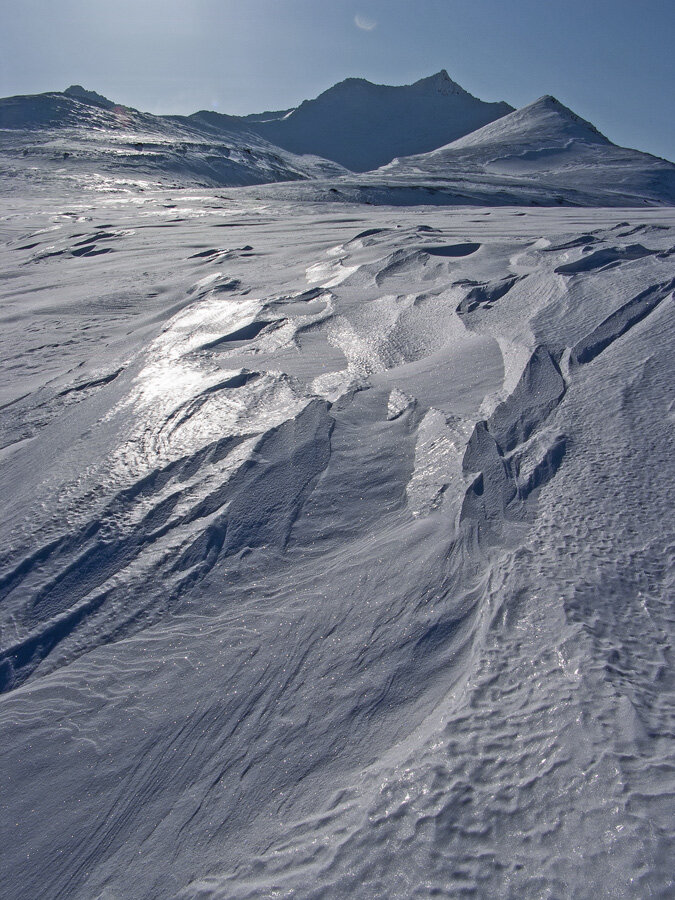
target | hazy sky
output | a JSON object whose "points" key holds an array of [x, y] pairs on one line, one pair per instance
{"points": [[612, 61]]}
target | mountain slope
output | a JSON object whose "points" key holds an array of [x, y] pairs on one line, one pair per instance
{"points": [[363, 125], [80, 136], [548, 147]]}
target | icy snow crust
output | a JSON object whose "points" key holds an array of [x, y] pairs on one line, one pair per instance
{"points": [[336, 550]]}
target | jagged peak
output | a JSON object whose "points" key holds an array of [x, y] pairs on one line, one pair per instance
{"points": [[441, 82], [441, 77]]}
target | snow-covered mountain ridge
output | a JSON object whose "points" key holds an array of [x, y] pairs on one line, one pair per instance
{"points": [[542, 154], [355, 123], [82, 138]]}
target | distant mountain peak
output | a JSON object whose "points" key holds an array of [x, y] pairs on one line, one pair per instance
{"points": [[77, 92], [362, 125], [547, 100], [442, 83], [551, 104]]}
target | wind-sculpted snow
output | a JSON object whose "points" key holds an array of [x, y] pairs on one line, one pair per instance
{"points": [[618, 323], [486, 294], [608, 257], [539, 391], [336, 550]]}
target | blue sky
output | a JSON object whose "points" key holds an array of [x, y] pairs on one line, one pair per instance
{"points": [[611, 61]]}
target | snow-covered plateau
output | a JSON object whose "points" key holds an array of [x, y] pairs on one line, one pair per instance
{"points": [[336, 548]]}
